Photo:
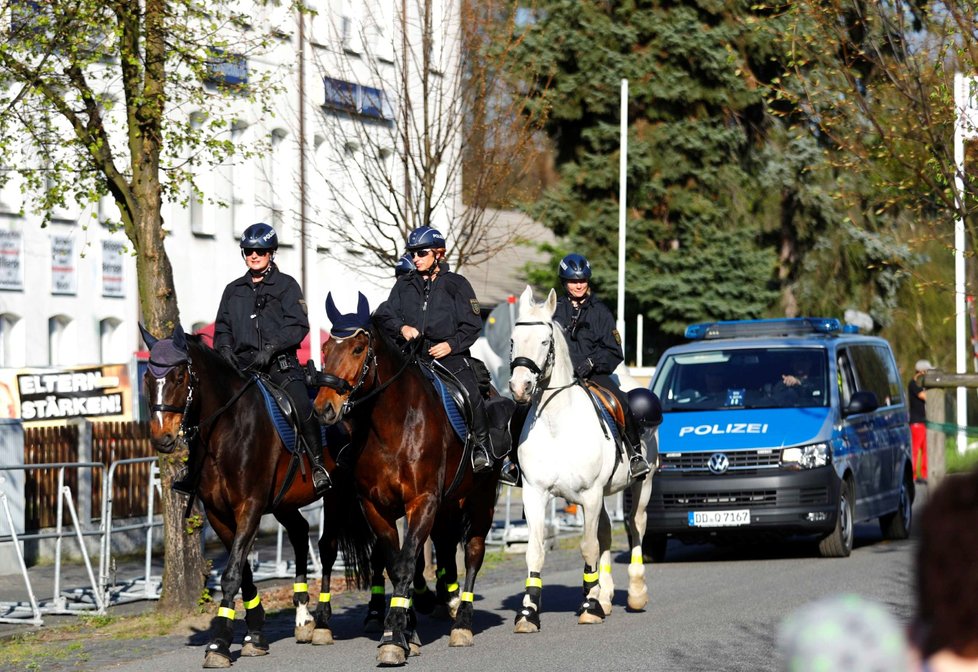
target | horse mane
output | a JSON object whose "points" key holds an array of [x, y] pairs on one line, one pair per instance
{"points": [[388, 344], [204, 355]]}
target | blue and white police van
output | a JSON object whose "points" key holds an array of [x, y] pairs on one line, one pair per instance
{"points": [[779, 427]]}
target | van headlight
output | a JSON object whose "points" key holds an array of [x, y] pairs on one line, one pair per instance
{"points": [[806, 457]]}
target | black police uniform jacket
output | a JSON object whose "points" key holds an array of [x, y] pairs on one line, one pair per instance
{"points": [[593, 335], [445, 310], [253, 315]]}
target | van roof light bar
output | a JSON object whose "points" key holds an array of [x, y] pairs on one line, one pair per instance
{"points": [[788, 326]]}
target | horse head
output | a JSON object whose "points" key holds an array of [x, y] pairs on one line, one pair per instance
{"points": [[169, 382], [347, 357], [532, 345]]}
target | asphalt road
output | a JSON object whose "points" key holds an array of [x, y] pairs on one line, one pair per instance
{"points": [[710, 609]]}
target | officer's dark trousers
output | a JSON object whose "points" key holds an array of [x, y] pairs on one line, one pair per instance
{"points": [[293, 382]]}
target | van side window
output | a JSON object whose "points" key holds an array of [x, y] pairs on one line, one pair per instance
{"points": [[873, 373], [846, 379]]}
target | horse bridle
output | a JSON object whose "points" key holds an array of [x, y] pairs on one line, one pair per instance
{"points": [[191, 386], [341, 386], [528, 363]]}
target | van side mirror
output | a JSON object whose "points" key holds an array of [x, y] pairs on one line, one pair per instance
{"points": [[862, 402]]}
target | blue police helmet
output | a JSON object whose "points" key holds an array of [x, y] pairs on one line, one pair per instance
{"points": [[645, 406], [425, 237], [404, 265], [574, 267], [259, 236]]}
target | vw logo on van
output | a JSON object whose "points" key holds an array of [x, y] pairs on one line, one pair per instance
{"points": [[718, 463]]}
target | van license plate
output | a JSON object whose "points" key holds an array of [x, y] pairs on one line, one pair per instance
{"points": [[719, 518]]}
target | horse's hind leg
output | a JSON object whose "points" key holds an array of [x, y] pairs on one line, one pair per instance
{"points": [[297, 528], [606, 583], [374, 621], [480, 521], [534, 509], [591, 610], [638, 591]]}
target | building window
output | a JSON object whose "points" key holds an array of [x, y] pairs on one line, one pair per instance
{"points": [[59, 343], [11, 341], [111, 345]]}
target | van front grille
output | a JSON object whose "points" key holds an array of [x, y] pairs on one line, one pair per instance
{"points": [[740, 460]]}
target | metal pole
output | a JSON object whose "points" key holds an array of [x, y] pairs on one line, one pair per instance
{"points": [[961, 357], [639, 337], [622, 191]]}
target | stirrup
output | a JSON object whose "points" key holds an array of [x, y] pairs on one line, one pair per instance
{"points": [[321, 482], [480, 460], [638, 467], [510, 474]]}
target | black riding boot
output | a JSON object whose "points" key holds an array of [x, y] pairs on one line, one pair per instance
{"points": [[637, 465], [510, 474], [312, 438], [481, 442]]}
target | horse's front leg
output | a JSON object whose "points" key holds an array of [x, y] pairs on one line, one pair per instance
{"points": [[255, 642], [638, 591], [475, 552], [591, 610], [606, 583], [374, 621], [534, 510], [297, 528], [218, 652]]}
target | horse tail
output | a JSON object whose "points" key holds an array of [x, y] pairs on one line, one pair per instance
{"points": [[355, 537]]}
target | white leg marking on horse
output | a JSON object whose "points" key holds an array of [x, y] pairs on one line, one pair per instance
{"points": [[302, 615]]}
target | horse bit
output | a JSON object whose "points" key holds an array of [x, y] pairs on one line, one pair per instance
{"points": [[170, 408], [338, 384]]}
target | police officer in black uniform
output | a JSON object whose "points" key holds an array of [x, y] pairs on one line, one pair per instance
{"points": [[595, 346], [260, 323], [439, 306]]}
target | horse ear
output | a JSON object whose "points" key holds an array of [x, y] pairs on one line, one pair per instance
{"points": [[148, 338], [179, 339], [526, 298], [552, 301], [331, 312], [363, 308]]}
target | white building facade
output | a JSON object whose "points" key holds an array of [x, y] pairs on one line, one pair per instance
{"points": [[333, 133]]}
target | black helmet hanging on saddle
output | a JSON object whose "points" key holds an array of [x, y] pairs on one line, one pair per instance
{"points": [[425, 237], [574, 267], [645, 406], [259, 236]]}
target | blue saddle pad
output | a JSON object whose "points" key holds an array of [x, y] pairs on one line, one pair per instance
{"points": [[448, 402], [606, 417], [283, 425]]}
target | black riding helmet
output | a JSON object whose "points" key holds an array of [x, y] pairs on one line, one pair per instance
{"points": [[645, 406], [259, 236], [574, 267]]}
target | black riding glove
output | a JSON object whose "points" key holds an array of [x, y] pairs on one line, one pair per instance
{"points": [[584, 369], [227, 354], [264, 356]]}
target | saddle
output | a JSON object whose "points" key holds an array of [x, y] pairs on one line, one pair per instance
{"points": [[606, 404], [282, 411]]}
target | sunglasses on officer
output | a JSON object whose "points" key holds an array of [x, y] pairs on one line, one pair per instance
{"points": [[248, 251], [421, 253]]}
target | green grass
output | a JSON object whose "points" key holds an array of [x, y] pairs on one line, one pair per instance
{"points": [[955, 462]]}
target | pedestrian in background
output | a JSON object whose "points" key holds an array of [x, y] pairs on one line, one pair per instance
{"points": [[918, 420]]}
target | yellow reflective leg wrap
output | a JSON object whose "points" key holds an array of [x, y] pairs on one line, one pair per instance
{"points": [[637, 558], [376, 590], [225, 612], [534, 582], [300, 587], [325, 597], [606, 569], [401, 602], [440, 573], [590, 577], [452, 587], [467, 597], [251, 604]]}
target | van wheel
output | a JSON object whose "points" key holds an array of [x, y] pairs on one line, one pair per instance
{"points": [[896, 525], [654, 546], [838, 543]]}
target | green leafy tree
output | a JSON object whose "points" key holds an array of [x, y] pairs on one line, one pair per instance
{"points": [[96, 99]]}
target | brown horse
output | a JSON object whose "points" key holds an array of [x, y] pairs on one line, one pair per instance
{"points": [[412, 464], [246, 472]]}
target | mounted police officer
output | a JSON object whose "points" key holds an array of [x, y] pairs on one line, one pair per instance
{"points": [[440, 307], [260, 323], [595, 346]]}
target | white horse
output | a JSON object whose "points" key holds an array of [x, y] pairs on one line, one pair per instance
{"points": [[564, 451]]}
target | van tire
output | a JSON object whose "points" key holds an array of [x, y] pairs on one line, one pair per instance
{"points": [[654, 546], [838, 543], [896, 525]]}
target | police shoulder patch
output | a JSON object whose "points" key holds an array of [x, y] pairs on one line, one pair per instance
{"points": [[617, 336], [305, 308], [475, 305]]}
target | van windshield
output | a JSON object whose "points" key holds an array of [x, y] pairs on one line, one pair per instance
{"points": [[737, 379]]}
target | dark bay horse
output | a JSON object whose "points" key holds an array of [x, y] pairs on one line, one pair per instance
{"points": [[245, 468], [410, 463]]}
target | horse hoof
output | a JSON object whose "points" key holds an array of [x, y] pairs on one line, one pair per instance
{"points": [[322, 636], [214, 660], [252, 651], [638, 602], [414, 649], [523, 626], [390, 655], [607, 607], [303, 633], [587, 618], [461, 637]]}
